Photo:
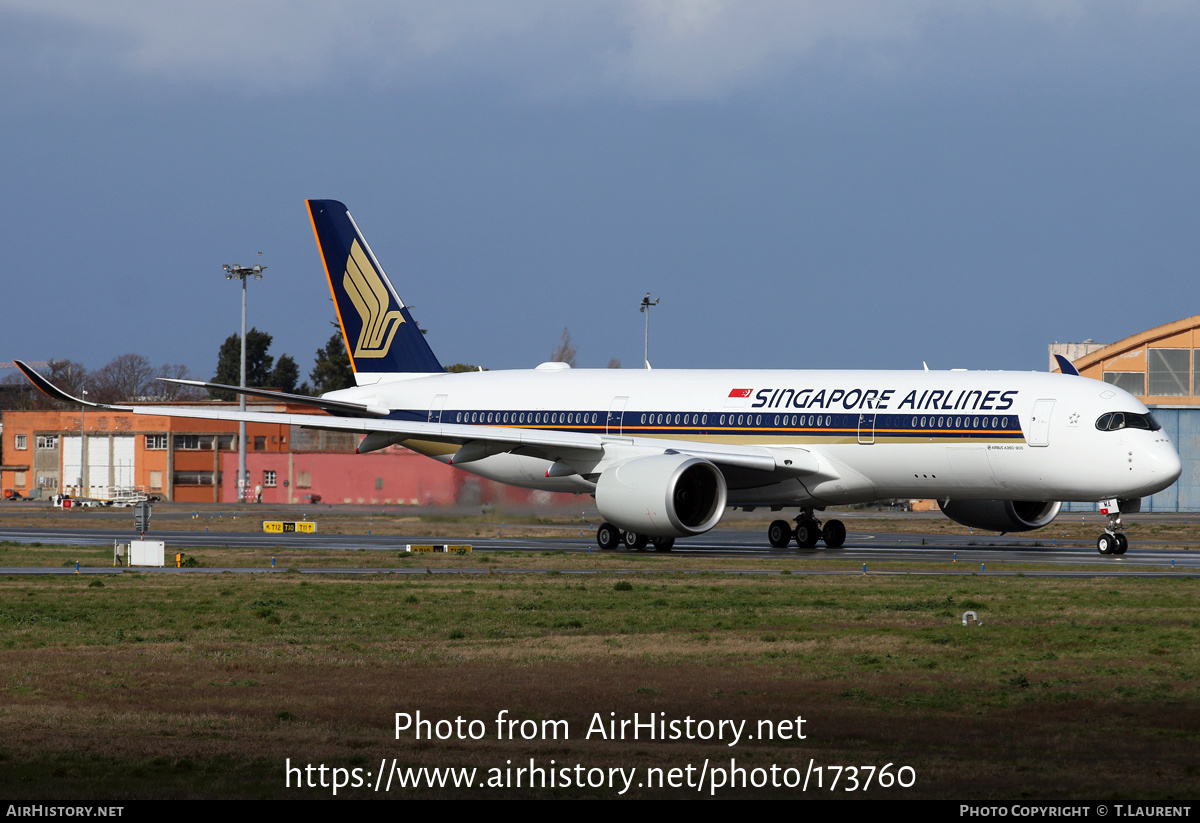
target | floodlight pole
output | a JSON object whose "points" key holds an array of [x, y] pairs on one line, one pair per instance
{"points": [[645, 308], [83, 476], [241, 273]]}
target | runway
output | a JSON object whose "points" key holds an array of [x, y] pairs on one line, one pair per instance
{"points": [[882, 553]]}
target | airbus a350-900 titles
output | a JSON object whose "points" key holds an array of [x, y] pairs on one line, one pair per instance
{"points": [[665, 452]]}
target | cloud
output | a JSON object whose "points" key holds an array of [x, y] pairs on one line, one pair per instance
{"points": [[655, 49]]}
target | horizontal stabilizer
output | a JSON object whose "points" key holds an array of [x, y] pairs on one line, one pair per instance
{"points": [[301, 399]]}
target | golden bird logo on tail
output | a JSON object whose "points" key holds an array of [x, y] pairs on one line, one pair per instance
{"points": [[371, 298]]}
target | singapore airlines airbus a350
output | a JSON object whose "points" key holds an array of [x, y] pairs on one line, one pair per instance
{"points": [[665, 452]]}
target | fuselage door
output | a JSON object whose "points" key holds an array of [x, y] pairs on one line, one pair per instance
{"points": [[435, 408], [616, 411], [866, 428], [1039, 424]]}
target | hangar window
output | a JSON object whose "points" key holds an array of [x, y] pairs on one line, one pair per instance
{"points": [[47, 441], [193, 442], [1133, 382], [1167, 371], [19, 442], [192, 479]]}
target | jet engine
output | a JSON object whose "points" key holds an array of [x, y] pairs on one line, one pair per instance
{"points": [[665, 495], [1001, 515]]}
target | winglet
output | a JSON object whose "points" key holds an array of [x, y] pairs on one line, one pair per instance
{"points": [[54, 392], [1066, 366]]}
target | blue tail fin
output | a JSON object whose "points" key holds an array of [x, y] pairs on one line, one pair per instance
{"points": [[380, 334]]}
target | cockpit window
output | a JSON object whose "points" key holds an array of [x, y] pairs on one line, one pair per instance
{"points": [[1112, 421]]}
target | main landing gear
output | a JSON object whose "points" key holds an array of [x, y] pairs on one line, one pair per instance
{"points": [[609, 537], [1113, 541], [807, 532]]}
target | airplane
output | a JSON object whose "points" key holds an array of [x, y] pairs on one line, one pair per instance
{"points": [[666, 452]]}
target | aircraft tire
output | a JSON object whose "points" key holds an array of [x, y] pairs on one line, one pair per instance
{"points": [[807, 534], [780, 534], [1122, 544], [834, 534], [1106, 544], [608, 537], [663, 544], [636, 541]]}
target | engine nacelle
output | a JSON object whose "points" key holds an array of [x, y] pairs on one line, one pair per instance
{"points": [[1001, 515], [666, 495]]}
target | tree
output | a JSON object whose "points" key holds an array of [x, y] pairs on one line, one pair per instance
{"points": [[285, 374], [614, 363], [18, 394], [229, 360], [332, 371], [565, 353], [174, 391], [69, 376], [464, 367], [125, 377]]}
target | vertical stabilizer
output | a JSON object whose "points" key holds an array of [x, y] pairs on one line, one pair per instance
{"points": [[380, 334]]}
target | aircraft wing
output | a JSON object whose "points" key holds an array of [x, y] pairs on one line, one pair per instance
{"points": [[499, 438], [505, 437]]}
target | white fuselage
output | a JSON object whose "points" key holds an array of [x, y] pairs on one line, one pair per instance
{"points": [[854, 435]]}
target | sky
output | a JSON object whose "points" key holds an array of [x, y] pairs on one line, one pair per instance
{"points": [[859, 184]]}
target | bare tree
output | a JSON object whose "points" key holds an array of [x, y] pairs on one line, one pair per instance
{"points": [[565, 353], [614, 363], [126, 377], [17, 393], [173, 391], [71, 377]]}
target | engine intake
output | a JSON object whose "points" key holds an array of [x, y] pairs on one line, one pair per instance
{"points": [[665, 495], [1001, 515]]}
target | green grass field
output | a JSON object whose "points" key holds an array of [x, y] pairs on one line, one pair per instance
{"points": [[143, 685]]}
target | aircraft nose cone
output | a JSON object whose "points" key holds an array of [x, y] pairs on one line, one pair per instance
{"points": [[1158, 468], [1171, 463]]}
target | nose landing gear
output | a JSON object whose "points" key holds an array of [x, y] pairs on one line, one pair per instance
{"points": [[1113, 541]]}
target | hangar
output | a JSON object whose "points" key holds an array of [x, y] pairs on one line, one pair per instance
{"points": [[1161, 366]]}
